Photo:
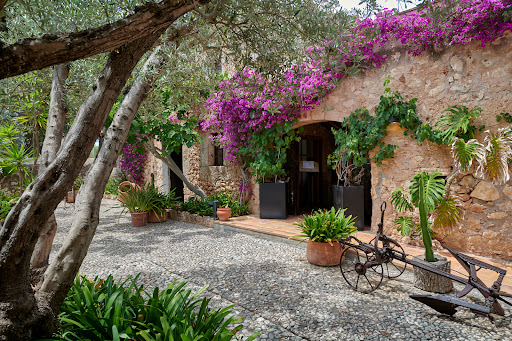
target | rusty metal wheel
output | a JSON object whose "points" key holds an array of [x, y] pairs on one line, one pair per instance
{"points": [[393, 267], [360, 270]]}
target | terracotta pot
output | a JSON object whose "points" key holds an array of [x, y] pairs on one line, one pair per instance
{"points": [[139, 218], [156, 217], [121, 190], [323, 254], [70, 197], [223, 213]]}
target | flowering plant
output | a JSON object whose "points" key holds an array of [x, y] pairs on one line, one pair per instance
{"points": [[249, 103], [132, 162]]}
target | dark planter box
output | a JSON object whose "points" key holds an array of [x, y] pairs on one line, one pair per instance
{"points": [[273, 201], [351, 198]]}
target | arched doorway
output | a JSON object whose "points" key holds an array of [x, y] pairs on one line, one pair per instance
{"points": [[310, 177]]}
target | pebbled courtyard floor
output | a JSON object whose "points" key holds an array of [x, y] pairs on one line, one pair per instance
{"points": [[270, 283]]}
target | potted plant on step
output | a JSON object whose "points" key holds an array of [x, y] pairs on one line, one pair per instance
{"points": [[138, 201], [323, 228], [427, 193], [269, 147]]}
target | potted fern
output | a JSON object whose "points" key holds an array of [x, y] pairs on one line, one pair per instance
{"points": [[427, 193], [323, 228]]}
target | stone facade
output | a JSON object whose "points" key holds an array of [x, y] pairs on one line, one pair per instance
{"points": [[469, 75], [197, 165]]}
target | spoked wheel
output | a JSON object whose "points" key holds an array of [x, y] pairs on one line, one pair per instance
{"points": [[359, 272], [393, 268]]}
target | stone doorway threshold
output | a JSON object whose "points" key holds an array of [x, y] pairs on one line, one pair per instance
{"points": [[282, 229]]}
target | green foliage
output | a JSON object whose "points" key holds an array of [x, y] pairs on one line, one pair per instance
{"points": [[225, 199], [427, 194], [140, 199], [432, 188], [229, 200], [457, 123], [108, 310], [400, 200], [113, 185], [14, 160], [197, 206], [327, 225], [404, 225], [7, 201], [464, 153], [266, 151], [505, 116], [361, 132]]}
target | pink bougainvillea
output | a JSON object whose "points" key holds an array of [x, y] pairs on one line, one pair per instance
{"points": [[132, 163], [248, 103]]}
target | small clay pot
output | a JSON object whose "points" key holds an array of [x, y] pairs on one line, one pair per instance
{"points": [[70, 197], [323, 254], [157, 217], [223, 213], [139, 218]]}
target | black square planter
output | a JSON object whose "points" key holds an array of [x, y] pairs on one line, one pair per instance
{"points": [[351, 198], [273, 201]]}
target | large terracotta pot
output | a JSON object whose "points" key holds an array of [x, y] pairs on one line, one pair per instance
{"points": [[139, 218], [323, 254], [223, 213], [156, 217]]}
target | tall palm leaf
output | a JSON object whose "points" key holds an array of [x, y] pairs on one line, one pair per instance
{"points": [[456, 123], [446, 214], [434, 189], [493, 163], [464, 153]]}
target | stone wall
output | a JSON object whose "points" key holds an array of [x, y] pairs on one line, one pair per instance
{"points": [[154, 166], [468, 75], [211, 179]]}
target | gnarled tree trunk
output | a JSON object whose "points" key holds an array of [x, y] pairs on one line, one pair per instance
{"points": [[51, 145], [61, 273], [23, 312]]}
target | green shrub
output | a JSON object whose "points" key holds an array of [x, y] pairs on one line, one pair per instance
{"points": [[225, 199], [228, 199], [113, 184], [108, 310], [326, 225], [7, 201], [197, 206]]}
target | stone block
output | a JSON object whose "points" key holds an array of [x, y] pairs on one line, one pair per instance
{"points": [[477, 208], [507, 190], [473, 224], [485, 191]]}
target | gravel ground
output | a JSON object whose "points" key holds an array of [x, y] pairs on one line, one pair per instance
{"points": [[271, 284]]}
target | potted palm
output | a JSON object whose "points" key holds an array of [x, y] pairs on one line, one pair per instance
{"points": [[138, 201], [323, 228], [427, 193]]}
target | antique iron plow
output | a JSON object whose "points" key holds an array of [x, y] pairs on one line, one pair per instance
{"points": [[366, 264]]}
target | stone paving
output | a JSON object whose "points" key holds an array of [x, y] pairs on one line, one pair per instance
{"points": [[271, 284]]}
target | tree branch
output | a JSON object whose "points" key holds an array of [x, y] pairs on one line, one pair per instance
{"points": [[158, 153], [37, 53]]}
